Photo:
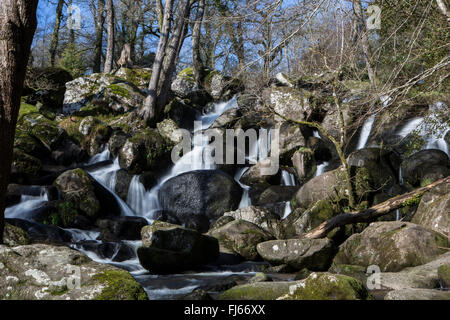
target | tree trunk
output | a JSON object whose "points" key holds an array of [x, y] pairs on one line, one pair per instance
{"points": [[72, 30], [173, 50], [148, 110], [357, 8], [100, 21], [17, 27], [196, 33], [110, 49], [55, 35], [371, 213]]}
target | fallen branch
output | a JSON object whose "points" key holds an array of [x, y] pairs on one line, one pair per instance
{"points": [[371, 213]]}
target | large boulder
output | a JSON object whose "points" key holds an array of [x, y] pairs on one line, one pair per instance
{"points": [[434, 210], [46, 86], [97, 136], [290, 103], [392, 246], [425, 167], [140, 77], [291, 140], [24, 168], [76, 187], [46, 131], [171, 248], [327, 286], [240, 237], [44, 272], [313, 254], [123, 228], [262, 217], [146, 150], [121, 95], [15, 236], [257, 291], [38, 232], [196, 196]]}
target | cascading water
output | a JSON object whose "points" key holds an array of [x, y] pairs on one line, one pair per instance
{"points": [[321, 168], [287, 179], [365, 133], [27, 204], [245, 200]]}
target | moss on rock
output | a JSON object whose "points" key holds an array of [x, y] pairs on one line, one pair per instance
{"points": [[120, 285]]}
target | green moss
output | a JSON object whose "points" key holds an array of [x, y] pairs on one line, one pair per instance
{"points": [[27, 109], [120, 285], [59, 291], [119, 90], [413, 201], [330, 287], [444, 275], [187, 74], [257, 291]]}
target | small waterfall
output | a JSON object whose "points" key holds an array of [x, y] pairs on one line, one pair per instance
{"points": [[365, 132], [27, 204], [287, 179], [261, 149], [316, 134], [103, 156], [321, 168], [107, 177], [245, 200], [142, 202], [410, 126]]}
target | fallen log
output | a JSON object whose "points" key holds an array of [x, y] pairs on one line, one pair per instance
{"points": [[371, 213]]}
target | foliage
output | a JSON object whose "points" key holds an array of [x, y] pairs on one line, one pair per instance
{"points": [[72, 60]]}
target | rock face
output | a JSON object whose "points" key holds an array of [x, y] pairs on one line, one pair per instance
{"points": [[424, 167], [290, 103], [77, 188], [444, 275], [168, 129], [434, 210], [171, 248], [47, 272], [392, 246], [313, 254], [263, 218], [327, 286], [123, 228], [199, 195], [240, 237]]}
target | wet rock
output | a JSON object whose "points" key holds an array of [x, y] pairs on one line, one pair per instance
{"points": [[256, 175], [68, 152], [199, 295], [97, 137], [122, 184], [327, 286], [392, 246], [114, 251], [38, 232], [304, 164], [182, 113], [24, 168], [44, 273], [313, 254], [260, 277], [240, 237], [170, 248], [434, 210], [15, 236], [124, 228], [198, 195], [116, 142]]}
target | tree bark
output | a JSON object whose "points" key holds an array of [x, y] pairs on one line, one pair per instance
{"points": [[148, 110], [100, 21], [357, 8], [197, 62], [17, 27], [55, 35], [371, 213], [110, 49], [173, 50]]}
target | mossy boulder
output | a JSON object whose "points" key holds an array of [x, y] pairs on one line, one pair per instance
{"points": [[146, 150], [444, 275], [241, 237], [98, 134], [327, 286], [257, 291], [170, 248], [76, 187], [43, 129], [290, 103], [24, 168], [140, 77], [182, 112], [434, 210], [392, 246], [304, 163], [313, 254], [169, 130], [15, 236], [46, 272]]}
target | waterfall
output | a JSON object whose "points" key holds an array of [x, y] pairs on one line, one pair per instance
{"points": [[107, 177], [365, 132], [103, 156], [27, 204], [245, 200], [287, 179], [142, 202], [261, 149], [321, 168]]}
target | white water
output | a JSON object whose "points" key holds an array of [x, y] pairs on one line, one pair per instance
{"points": [[245, 200], [287, 179], [103, 156], [321, 168], [27, 204], [365, 132]]}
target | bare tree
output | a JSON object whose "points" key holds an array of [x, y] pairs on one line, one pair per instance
{"points": [[110, 49], [196, 33], [17, 27], [99, 23], [55, 35]]}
